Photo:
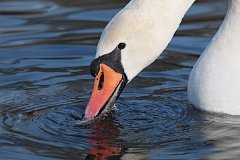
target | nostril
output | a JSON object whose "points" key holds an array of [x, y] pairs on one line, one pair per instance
{"points": [[101, 82]]}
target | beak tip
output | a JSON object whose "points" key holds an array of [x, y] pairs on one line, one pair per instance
{"points": [[89, 114]]}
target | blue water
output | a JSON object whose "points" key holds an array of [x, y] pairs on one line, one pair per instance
{"points": [[45, 51]]}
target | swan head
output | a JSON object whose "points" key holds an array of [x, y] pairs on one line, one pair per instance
{"points": [[132, 40]]}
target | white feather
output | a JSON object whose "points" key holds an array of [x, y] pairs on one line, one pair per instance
{"points": [[214, 83], [147, 26]]}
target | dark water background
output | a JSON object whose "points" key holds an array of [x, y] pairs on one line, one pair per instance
{"points": [[45, 49]]}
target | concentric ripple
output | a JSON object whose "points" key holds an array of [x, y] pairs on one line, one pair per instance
{"points": [[45, 51]]}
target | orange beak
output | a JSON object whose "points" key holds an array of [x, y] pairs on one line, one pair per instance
{"points": [[108, 85]]}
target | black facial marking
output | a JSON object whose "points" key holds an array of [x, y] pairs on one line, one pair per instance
{"points": [[94, 67], [112, 59]]}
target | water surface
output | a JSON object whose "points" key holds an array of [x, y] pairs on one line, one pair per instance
{"points": [[45, 51]]}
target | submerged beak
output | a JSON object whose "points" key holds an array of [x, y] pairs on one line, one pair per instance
{"points": [[108, 85]]}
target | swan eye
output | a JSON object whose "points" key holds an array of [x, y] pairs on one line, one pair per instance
{"points": [[121, 46]]}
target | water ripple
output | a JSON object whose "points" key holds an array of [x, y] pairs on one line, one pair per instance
{"points": [[46, 48]]}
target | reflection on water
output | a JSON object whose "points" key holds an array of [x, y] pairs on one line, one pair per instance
{"points": [[105, 133], [45, 50]]}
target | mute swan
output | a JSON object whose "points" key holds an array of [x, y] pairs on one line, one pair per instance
{"points": [[140, 32]]}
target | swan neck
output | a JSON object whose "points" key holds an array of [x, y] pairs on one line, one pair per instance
{"points": [[234, 6]]}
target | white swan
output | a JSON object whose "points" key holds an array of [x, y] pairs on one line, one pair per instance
{"points": [[140, 32]]}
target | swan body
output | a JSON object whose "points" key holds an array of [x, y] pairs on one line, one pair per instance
{"points": [[145, 27], [214, 83]]}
